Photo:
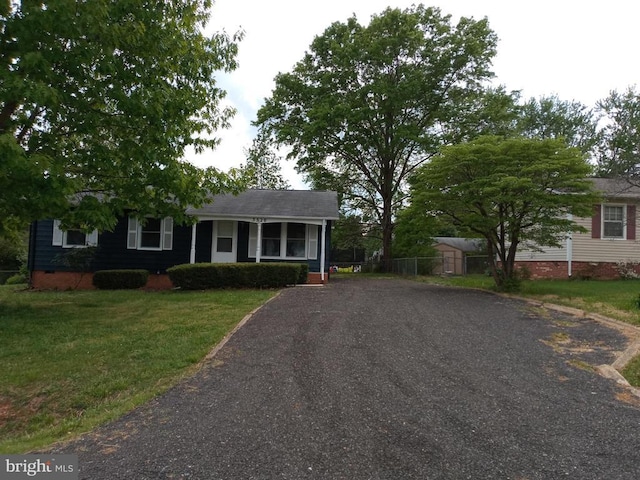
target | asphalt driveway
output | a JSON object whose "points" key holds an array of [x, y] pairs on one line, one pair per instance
{"points": [[387, 379]]}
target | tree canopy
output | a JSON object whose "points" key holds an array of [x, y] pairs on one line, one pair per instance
{"points": [[367, 104], [99, 100], [263, 168], [508, 191], [619, 146]]}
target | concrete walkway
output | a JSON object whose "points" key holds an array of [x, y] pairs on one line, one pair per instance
{"points": [[387, 379]]}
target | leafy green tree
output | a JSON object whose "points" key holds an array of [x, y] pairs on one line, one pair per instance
{"points": [[99, 100], [618, 151], [414, 232], [509, 192], [263, 167], [367, 104], [551, 117]]}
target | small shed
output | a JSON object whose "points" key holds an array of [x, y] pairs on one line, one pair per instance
{"points": [[454, 251]]}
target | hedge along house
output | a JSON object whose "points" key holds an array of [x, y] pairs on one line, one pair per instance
{"points": [[609, 246], [254, 226]]}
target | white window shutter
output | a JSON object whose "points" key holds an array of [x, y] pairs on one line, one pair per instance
{"points": [[92, 239], [132, 233], [312, 250], [253, 239], [57, 234], [167, 234]]}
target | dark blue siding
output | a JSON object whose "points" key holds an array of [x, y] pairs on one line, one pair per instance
{"points": [[112, 252]]}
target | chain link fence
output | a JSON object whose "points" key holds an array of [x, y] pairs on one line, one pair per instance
{"points": [[449, 263]]}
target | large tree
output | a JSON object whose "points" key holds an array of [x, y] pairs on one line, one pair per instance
{"points": [[99, 100], [508, 191], [618, 152], [552, 117], [263, 166], [367, 104]]}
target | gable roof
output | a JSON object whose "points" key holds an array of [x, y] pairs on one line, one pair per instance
{"points": [[616, 187], [462, 244], [284, 204]]}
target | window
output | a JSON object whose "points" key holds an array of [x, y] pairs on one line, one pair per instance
{"points": [[298, 239], [225, 237], [73, 238], [613, 221], [151, 234], [155, 234], [271, 239], [296, 235]]}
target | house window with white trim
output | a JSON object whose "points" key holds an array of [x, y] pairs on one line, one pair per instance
{"points": [[296, 239], [73, 238], [613, 221], [224, 242], [300, 241], [152, 234], [271, 238]]}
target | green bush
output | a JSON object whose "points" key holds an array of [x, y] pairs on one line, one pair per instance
{"points": [[204, 276], [16, 279], [304, 272], [120, 279]]}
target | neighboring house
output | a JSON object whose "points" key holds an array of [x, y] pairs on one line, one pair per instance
{"points": [[454, 253], [611, 239], [254, 226]]}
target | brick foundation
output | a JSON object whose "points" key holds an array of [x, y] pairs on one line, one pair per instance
{"points": [[84, 281], [559, 270], [315, 278]]}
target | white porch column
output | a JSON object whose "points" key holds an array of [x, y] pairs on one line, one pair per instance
{"points": [[192, 255], [323, 247], [259, 243]]}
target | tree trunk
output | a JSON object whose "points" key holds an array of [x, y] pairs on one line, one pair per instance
{"points": [[387, 235]]}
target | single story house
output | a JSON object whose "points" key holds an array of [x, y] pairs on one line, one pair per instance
{"points": [[610, 239], [454, 252], [254, 226]]}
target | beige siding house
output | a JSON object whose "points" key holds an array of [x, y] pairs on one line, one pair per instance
{"points": [[611, 239]]}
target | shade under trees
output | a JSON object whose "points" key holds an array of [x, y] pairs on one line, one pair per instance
{"points": [[510, 192], [367, 103], [99, 100]]}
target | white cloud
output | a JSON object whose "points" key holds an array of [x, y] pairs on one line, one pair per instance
{"points": [[576, 49]]}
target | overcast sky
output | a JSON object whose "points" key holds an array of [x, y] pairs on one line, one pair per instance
{"points": [[576, 49]]}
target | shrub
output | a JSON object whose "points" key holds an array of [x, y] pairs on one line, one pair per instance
{"points": [[16, 279], [628, 270], [304, 272], [203, 276], [120, 279]]}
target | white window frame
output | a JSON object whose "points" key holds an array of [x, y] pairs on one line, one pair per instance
{"points": [[60, 238], [134, 235], [310, 242], [623, 207]]}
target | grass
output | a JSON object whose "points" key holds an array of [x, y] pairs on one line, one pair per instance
{"points": [[614, 298], [73, 360]]}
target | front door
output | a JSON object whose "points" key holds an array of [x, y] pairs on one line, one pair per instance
{"points": [[224, 241]]}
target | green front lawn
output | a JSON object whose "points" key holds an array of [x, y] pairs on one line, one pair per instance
{"points": [[73, 360], [614, 298]]}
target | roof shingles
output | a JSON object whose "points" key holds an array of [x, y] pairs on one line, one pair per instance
{"points": [[310, 204]]}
